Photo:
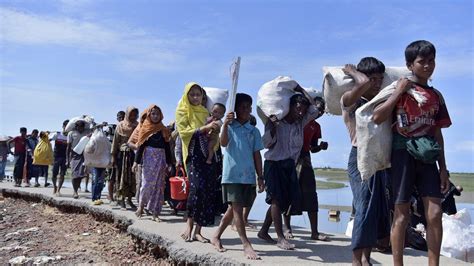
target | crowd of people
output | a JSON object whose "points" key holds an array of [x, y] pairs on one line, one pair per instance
{"points": [[145, 154]]}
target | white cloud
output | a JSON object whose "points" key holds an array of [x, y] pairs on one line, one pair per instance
{"points": [[134, 49]]}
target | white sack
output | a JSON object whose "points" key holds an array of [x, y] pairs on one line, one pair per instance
{"points": [[72, 122], [458, 236], [336, 83], [81, 145], [274, 97], [215, 95], [97, 150], [350, 226], [374, 142]]}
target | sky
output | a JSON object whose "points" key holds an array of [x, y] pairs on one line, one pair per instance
{"points": [[64, 58]]}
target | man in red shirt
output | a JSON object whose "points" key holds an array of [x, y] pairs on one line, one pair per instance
{"points": [[306, 178], [19, 144]]}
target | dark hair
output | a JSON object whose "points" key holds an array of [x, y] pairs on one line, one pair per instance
{"points": [[298, 98], [322, 101], [419, 48], [80, 123], [65, 123], [253, 120], [220, 105], [35, 131], [370, 65], [120, 113], [241, 98], [23, 129]]}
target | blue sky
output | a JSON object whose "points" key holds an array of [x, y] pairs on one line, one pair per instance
{"points": [[60, 59]]}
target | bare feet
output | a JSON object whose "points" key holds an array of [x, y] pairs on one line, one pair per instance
{"points": [[187, 236], [289, 235], [250, 226], [200, 238], [216, 242], [139, 212], [320, 237], [250, 253], [284, 244], [266, 237], [75, 195], [156, 218]]}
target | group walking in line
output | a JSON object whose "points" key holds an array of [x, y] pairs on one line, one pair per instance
{"points": [[223, 164]]}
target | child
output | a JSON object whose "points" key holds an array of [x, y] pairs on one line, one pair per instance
{"points": [[217, 113], [242, 160], [284, 140], [369, 201], [409, 170]]}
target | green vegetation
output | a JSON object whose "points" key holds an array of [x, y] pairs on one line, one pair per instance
{"points": [[328, 185], [332, 174], [466, 180]]}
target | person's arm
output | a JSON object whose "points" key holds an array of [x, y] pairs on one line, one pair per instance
{"points": [[443, 171], [139, 155], [269, 137], [225, 129], [257, 159], [9, 145], [178, 152], [115, 147], [361, 85], [385, 109], [167, 153]]}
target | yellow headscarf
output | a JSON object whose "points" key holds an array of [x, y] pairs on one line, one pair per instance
{"points": [[189, 118]]}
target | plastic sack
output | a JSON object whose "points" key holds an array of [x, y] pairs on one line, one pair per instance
{"points": [[274, 97], [72, 122], [458, 236], [81, 145], [43, 154], [350, 226], [97, 150], [215, 95], [374, 142], [336, 83]]}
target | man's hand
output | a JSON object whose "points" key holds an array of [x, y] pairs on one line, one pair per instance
{"points": [[299, 89], [135, 167], [229, 118], [323, 145], [403, 85], [444, 176], [261, 185]]}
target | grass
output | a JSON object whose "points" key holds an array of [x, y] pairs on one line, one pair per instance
{"points": [[328, 185], [332, 174], [466, 180]]}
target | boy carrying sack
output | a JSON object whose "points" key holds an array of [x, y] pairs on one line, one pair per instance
{"points": [[417, 145]]}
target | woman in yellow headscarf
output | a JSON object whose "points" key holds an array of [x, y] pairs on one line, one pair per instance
{"points": [[191, 125]]}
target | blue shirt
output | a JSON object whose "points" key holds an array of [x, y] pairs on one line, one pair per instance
{"points": [[238, 163]]}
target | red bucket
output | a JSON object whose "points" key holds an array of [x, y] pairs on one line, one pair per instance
{"points": [[179, 186]]}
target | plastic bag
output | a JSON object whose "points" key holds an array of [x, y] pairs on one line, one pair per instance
{"points": [[374, 142], [97, 150], [274, 97], [215, 95], [72, 122], [458, 236], [43, 154], [336, 83], [81, 145], [350, 226]]}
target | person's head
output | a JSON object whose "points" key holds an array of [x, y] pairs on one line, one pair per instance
{"points": [[65, 122], [132, 114], [195, 95], [298, 107], [156, 115], [420, 59], [80, 126], [253, 120], [243, 106], [43, 134], [34, 133], [120, 116], [23, 131], [218, 111], [374, 70], [322, 105]]}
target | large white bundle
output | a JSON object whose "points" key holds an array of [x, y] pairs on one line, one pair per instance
{"points": [[81, 145], [273, 98], [72, 122], [374, 142], [215, 95], [458, 236], [97, 151], [336, 83]]}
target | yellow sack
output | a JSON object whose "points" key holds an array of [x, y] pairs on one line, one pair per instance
{"points": [[43, 154]]}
